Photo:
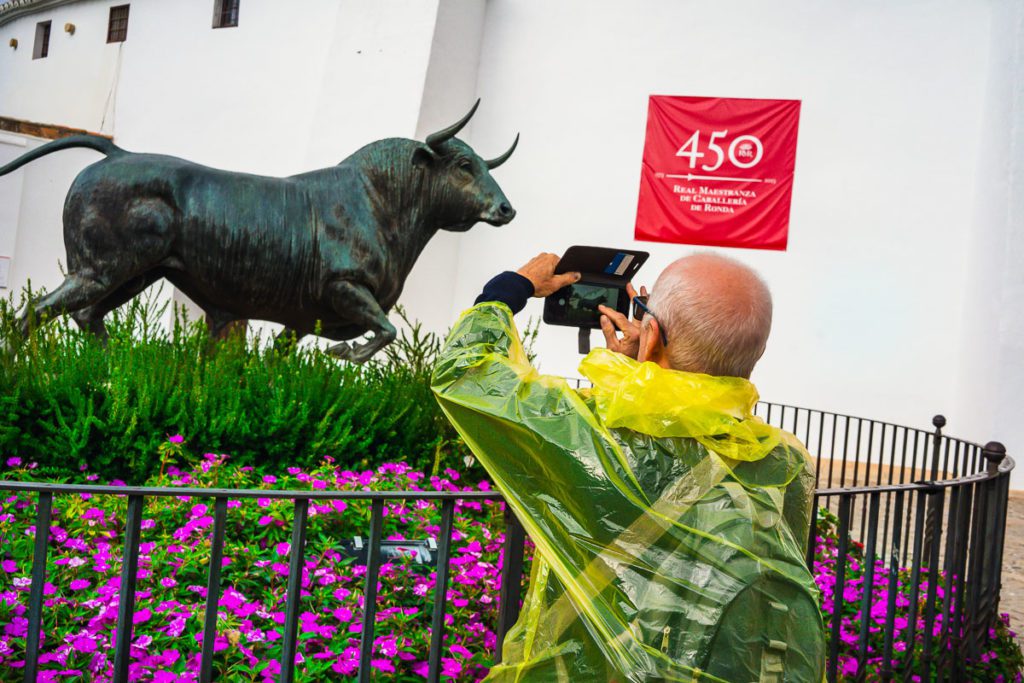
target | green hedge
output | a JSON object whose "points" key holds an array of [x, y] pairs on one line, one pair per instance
{"points": [[66, 400]]}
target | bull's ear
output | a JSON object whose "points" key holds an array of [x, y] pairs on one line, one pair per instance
{"points": [[423, 156]]}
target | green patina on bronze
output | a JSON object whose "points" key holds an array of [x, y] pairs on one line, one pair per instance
{"points": [[330, 248]]}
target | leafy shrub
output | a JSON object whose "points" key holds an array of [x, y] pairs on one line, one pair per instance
{"points": [[67, 401]]}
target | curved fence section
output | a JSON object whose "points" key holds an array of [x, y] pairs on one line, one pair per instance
{"points": [[906, 547]]}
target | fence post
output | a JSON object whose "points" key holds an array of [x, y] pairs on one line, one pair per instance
{"points": [[511, 577], [938, 422], [994, 526]]}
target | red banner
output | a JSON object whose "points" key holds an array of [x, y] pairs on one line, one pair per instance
{"points": [[718, 172]]}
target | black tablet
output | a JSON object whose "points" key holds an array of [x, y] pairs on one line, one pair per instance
{"points": [[604, 275]]}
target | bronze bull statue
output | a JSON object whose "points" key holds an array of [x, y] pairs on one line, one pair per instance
{"points": [[327, 250]]}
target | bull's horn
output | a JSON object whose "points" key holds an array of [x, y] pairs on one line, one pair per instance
{"points": [[495, 163], [436, 139]]}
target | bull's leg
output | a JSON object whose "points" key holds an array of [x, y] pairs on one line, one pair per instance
{"points": [[100, 260], [356, 305], [76, 292], [91, 317], [218, 321]]}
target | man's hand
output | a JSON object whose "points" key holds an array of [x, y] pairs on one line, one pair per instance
{"points": [[613, 322], [541, 272]]}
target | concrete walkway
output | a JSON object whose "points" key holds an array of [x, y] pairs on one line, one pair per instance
{"points": [[1012, 598]]}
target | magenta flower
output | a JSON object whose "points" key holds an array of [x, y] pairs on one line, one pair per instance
{"points": [[13, 462], [83, 643], [79, 584], [176, 439]]}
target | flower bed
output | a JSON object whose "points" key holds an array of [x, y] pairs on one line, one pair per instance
{"points": [[82, 585], [84, 563], [1001, 661]]}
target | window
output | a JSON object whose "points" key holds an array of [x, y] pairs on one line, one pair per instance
{"points": [[42, 46], [225, 13], [117, 28]]}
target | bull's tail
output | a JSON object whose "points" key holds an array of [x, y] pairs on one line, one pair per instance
{"points": [[96, 142]]}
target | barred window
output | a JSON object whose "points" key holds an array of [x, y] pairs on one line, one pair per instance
{"points": [[225, 13], [42, 46], [117, 28]]}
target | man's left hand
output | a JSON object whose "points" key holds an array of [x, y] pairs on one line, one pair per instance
{"points": [[541, 272]]}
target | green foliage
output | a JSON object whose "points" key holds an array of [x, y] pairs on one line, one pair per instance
{"points": [[68, 401]]}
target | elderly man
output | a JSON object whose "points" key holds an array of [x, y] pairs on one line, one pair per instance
{"points": [[670, 523]]}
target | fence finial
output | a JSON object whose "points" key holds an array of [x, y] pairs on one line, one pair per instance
{"points": [[994, 453], [939, 421]]}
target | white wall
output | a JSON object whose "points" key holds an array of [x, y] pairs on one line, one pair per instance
{"points": [[990, 377], [868, 297], [75, 85], [11, 147]]}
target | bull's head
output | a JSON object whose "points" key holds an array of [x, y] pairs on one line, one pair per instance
{"points": [[461, 181]]}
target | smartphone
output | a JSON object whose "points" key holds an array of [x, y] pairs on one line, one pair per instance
{"points": [[604, 274], [577, 304]]}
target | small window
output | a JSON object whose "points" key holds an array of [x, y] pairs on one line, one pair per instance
{"points": [[42, 46], [117, 28], [225, 13]]}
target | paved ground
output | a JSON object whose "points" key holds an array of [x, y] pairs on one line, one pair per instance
{"points": [[1012, 600]]}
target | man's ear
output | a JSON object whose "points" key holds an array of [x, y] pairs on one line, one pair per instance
{"points": [[651, 348], [423, 156]]}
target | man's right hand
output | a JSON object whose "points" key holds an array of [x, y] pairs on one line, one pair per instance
{"points": [[613, 322], [540, 271]]}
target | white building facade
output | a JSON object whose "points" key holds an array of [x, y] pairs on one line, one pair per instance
{"points": [[900, 294]]}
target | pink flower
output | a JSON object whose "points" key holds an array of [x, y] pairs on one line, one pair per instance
{"points": [[13, 462], [79, 584], [83, 643], [461, 651], [177, 438], [383, 664], [9, 566]]}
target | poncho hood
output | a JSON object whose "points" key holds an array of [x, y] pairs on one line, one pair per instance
{"points": [[647, 398]]}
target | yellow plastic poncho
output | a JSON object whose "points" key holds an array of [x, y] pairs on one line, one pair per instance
{"points": [[669, 522]]}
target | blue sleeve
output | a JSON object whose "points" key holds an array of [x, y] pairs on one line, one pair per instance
{"points": [[511, 289]]}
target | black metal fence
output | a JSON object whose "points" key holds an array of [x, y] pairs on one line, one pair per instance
{"points": [[931, 507], [915, 509], [512, 569]]}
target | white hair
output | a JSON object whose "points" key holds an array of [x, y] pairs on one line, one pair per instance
{"points": [[716, 313]]}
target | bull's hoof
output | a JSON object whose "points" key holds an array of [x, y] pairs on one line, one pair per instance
{"points": [[353, 353], [342, 350]]}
